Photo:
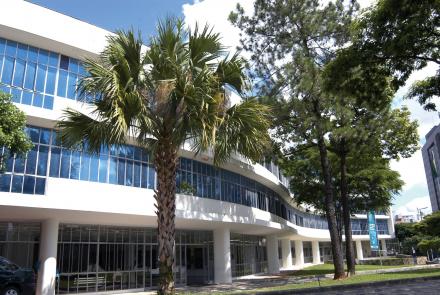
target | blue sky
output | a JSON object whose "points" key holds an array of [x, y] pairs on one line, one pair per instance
{"points": [[117, 14], [143, 14]]}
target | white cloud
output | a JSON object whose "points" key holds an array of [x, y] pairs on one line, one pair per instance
{"points": [[216, 13], [411, 207]]}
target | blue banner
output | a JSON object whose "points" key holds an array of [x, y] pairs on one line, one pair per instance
{"points": [[372, 229]]}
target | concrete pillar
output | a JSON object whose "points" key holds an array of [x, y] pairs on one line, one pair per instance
{"points": [[222, 256], [272, 254], [299, 253], [287, 253], [48, 257], [359, 253], [315, 251], [383, 244]]}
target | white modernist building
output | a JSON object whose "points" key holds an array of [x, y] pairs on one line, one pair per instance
{"points": [[87, 222]]}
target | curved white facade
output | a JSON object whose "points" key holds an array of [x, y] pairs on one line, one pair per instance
{"points": [[264, 217]]}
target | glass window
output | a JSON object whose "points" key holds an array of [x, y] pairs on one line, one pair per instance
{"points": [[5, 182], [129, 173], [62, 83], [33, 54], [94, 164], [103, 159], [31, 161], [16, 95], [26, 98], [121, 171], [22, 51], [75, 165], [43, 56], [29, 184], [65, 163], [8, 69], [19, 165], [151, 176], [137, 174], [2, 45], [53, 59], [29, 80], [48, 102], [45, 136], [85, 165], [144, 176], [50, 80], [71, 86], [11, 48], [64, 62], [19, 73], [41, 78], [40, 184], [42, 160], [54, 162], [38, 100], [113, 170], [17, 183]]}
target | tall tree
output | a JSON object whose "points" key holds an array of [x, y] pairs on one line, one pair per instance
{"points": [[403, 36], [12, 135], [291, 41], [166, 95]]}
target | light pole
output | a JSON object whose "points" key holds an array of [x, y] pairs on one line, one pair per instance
{"points": [[420, 213]]}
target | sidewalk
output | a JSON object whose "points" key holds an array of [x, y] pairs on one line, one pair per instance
{"points": [[261, 281]]}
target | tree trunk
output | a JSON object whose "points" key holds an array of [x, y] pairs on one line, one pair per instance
{"points": [[165, 162], [349, 251], [330, 210]]}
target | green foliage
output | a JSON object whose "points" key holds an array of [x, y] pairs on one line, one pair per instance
{"points": [[12, 135], [430, 225], [404, 231]]}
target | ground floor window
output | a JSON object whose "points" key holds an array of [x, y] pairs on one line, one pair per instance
{"points": [[248, 255], [308, 254], [106, 258], [19, 243], [325, 251]]}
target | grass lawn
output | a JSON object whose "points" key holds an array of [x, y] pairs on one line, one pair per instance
{"points": [[327, 268], [353, 280]]}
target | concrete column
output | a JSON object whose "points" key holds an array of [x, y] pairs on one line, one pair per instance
{"points": [[299, 253], [272, 254], [383, 244], [48, 257], [359, 253], [315, 251], [222, 256], [287, 253]]}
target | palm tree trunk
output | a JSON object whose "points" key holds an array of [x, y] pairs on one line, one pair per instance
{"points": [[165, 162], [349, 251]]}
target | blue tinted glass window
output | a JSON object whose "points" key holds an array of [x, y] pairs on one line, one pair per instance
{"points": [[31, 161], [82, 71], [2, 45], [121, 171], [65, 163], [19, 165], [54, 162], [64, 62], [33, 133], [48, 102], [1, 63], [17, 184], [22, 51], [33, 54], [16, 95], [9, 164], [85, 165], [53, 59], [5, 182], [50, 80], [29, 80], [38, 100], [40, 184], [43, 56], [28, 185], [113, 171], [62, 83], [42, 160], [11, 48], [71, 86], [19, 73], [94, 164], [137, 174], [129, 173], [73, 65], [144, 176], [75, 165], [26, 98], [151, 176], [8, 69], [45, 136], [41, 78], [5, 89], [103, 168]]}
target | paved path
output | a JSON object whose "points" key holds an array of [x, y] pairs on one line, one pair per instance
{"points": [[429, 287]]}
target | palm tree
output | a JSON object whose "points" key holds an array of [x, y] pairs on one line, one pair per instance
{"points": [[163, 96]]}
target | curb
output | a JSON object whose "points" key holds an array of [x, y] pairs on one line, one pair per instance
{"points": [[350, 286]]}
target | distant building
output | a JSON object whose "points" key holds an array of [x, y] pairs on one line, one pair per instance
{"points": [[400, 218], [431, 161]]}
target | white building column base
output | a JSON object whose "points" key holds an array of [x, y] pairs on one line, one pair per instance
{"points": [[286, 253], [48, 257], [299, 254], [222, 256], [383, 244], [315, 252], [359, 253], [273, 263]]}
